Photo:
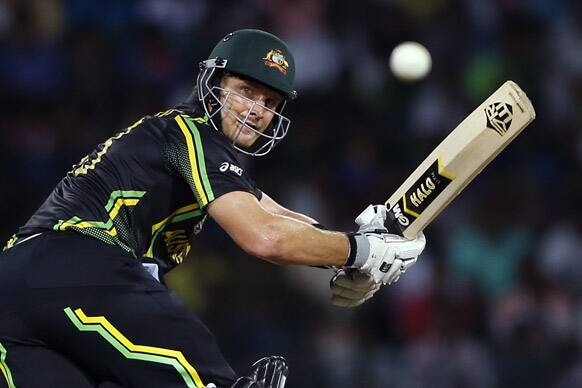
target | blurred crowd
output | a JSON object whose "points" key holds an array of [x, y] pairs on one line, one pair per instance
{"points": [[495, 300]]}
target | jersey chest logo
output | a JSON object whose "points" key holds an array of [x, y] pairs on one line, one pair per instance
{"points": [[225, 166]]}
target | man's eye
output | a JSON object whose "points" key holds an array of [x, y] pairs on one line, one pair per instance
{"points": [[245, 90]]}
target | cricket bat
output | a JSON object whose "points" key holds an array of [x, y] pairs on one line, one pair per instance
{"points": [[459, 158]]}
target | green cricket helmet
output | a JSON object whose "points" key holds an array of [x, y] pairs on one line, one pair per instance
{"points": [[256, 55]]}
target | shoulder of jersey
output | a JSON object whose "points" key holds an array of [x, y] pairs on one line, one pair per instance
{"points": [[172, 114], [178, 123], [173, 118]]}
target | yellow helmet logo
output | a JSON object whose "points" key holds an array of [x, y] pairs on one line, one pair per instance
{"points": [[275, 58]]}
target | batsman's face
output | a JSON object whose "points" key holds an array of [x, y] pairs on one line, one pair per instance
{"points": [[248, 108]]}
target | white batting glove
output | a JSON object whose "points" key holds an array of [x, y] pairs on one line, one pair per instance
{"points": [[382, 255], [385, 256], [351, 287], [372, 218]]}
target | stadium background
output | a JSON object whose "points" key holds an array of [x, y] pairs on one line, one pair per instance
{"points": [[494, 301]]}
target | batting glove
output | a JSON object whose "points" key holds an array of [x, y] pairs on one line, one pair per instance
{"points": [[351, 288]]}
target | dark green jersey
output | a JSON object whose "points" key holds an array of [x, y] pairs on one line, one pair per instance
{"points": [[146, 188]]}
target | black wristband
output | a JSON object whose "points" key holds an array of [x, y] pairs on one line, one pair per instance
{"points": [[353, 249]]}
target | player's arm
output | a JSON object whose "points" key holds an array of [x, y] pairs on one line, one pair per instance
{"points": [[284, 240], [275, 208], [278, 238], [226, 195]]}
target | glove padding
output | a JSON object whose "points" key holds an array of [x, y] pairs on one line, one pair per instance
{"points": [[386, 256], [372, 218], [382, 255], [351, 288]]}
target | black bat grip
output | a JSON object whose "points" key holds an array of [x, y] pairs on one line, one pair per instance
{"points": [[392, 224]]}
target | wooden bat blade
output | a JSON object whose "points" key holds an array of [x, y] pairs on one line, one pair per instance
{"points": [[459, 158]]}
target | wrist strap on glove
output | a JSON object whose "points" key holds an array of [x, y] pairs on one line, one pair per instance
{"points": [[359, 249], [353, 249]]}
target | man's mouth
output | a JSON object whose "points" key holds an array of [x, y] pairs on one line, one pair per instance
{"points": [[248, 128]]}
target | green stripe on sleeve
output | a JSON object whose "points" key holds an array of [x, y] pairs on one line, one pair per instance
{"points": [[200, 156]]}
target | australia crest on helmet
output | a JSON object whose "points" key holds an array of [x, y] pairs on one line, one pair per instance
{"points": [[275, 58]]}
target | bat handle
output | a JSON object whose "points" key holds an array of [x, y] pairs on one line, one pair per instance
{"points": [[392, 224]]}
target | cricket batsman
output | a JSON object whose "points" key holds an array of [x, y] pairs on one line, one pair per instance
{"points": [[83, 298]]}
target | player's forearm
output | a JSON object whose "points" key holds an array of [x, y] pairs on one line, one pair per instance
{"points": [[298, 216], [288, 241], [275, 208]]}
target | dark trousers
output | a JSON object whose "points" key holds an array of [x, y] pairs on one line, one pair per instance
{"points": [[76, 312]]}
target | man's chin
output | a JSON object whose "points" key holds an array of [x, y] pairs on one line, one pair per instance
{"points": [[245, 143]]}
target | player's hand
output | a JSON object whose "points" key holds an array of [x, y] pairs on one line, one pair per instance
{"points": [[386, 256], [351, 287]]}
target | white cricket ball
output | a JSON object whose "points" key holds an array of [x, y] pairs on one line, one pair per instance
{"points": [[410, 61]]}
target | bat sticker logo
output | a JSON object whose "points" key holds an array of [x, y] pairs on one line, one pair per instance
{"points": [[422, 193], [402, 219], [499, 116]]}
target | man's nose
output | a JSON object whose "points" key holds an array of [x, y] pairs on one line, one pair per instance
{"points": [[257, 110]]}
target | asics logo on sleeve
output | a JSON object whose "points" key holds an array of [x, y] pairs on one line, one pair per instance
{"points": [[225, 166]]}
